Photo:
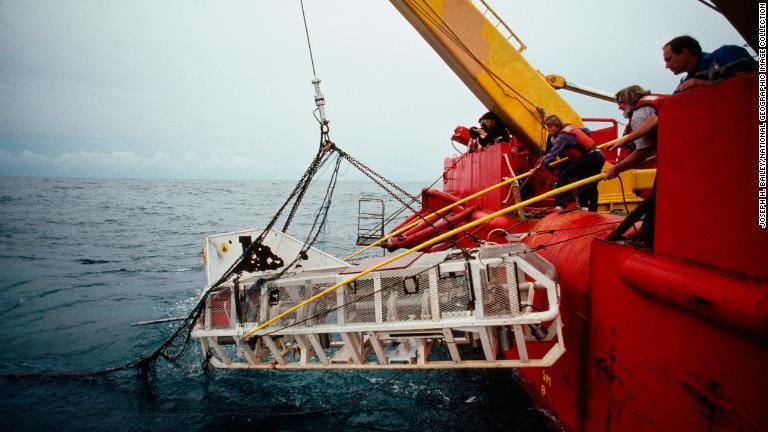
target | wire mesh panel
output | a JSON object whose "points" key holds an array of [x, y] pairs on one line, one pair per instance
{"points": [[220, 309], [360, 301], [405, 295], [250, 304], [323, 310], [454, 295], [286, 295], [500, 290]]}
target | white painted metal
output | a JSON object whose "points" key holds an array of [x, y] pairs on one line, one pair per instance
{"points": [[378, 323], [221, 250]]}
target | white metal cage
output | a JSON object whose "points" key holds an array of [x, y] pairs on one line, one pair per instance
{"points": [[441, 310]]}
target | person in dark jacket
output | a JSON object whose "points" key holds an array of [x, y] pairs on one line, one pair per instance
{"points": [[585, 158], [684, 54], [491, 131]]}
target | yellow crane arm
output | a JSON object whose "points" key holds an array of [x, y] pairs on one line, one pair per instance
{"points": [[485, 60], [558, 82]]}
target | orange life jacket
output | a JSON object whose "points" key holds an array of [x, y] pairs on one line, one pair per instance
{"points": [[586, 143], [651, 100]]}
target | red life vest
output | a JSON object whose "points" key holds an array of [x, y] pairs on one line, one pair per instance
{"points": [[586, 143], [651, 100]]}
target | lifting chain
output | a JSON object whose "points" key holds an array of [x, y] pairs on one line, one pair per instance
{"points": [[373, 175], [303, 185], [380, 180]]}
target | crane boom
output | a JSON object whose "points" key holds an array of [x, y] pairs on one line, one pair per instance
{"points": [[489, 65]]}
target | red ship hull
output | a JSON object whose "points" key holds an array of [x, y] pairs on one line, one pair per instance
{"points": [[670, 339]]}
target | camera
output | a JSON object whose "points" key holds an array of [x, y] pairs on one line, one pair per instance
{"points": [[474, 132]]}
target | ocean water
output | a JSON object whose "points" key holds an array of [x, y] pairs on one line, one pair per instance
{"points": [[83, 259]]}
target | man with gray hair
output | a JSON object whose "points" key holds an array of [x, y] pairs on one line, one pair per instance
{"points": [[639, 106]]}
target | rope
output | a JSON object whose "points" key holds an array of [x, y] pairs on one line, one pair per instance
{"points": [[544, 246], [397, 283], [309, 44], [443, 210], [624, 199], [552, 231], [381, 180], [438, 239], [145, 365], [441, 25], [411, 225]]}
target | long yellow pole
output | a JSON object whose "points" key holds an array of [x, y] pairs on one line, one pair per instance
{"points": [[432, 215], [441, 237]]}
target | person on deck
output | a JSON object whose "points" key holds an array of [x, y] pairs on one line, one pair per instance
{"points": [[639, 106], [491, 131], [684, 54], [585, 158], [562, 201]]}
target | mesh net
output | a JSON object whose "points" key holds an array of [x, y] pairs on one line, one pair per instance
{"points": [[361, 301], [250, 304], [500, 291], [220, 308], [403, 295], [454, 295]]}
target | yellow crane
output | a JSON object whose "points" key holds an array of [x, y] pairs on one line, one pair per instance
{"points": [[480, 48], [483, 57]]}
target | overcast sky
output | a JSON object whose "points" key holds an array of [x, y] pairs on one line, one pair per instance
{"points": [[210, 89]]}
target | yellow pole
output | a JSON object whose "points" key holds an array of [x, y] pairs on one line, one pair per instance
{"points": [[441, 237], [438, 212], [459, 202]]}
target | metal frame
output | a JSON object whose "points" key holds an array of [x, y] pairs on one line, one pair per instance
{"points": [[368, 233], [387, 343]]}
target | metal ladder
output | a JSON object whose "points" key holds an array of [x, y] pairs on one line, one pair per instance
{"points": [[370, 220]]}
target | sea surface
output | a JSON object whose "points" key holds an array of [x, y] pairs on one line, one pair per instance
{"points": [[83, 259]]}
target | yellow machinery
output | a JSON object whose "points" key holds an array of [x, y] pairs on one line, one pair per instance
{"points": [[481, 54], [489, 65]]}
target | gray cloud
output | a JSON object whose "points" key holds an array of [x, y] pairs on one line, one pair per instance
{"points": [[216, 90]]}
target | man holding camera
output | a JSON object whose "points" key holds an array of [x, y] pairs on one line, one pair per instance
{"points": [[491, 131]]}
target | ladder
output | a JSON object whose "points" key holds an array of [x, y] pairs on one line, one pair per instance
{"points": [[370, 220]]}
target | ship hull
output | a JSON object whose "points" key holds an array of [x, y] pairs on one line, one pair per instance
{"points": [[674, 338], [640, 358]]}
